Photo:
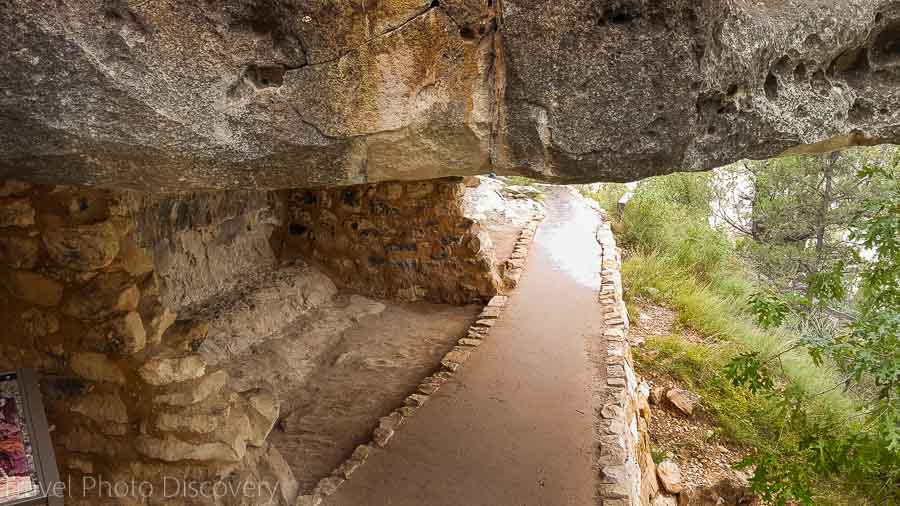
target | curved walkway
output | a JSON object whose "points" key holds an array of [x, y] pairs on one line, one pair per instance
{"points": [[515, 426]]}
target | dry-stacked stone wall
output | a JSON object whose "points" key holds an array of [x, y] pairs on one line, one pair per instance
{"points": [[452, 361], [627, 471], [126, 394], [408, 241]]}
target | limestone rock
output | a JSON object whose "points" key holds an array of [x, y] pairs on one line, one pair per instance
{"points": [[11, 188], [669, 474], [328, 486], [96, 367], [309, 500], [172, 449], [192, 392], [685, 401], [664, 500], [103, 296], [157, 320], [725, 488], [33, 288], [16, 213], [463, 87], [38, 323], [201, 418], [136, 261], [186, 335], [163, 371], [121, 334], [18, 252], [82, 247], [263, 413], [102, 408], [83, 440]]}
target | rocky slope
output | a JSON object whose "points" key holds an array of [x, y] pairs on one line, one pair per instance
{"points": [[288, 93]]}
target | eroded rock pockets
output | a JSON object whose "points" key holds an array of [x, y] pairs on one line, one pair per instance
{"points": [[264, 94]]}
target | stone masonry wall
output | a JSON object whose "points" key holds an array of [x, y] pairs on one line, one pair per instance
{"points": [[408, 241], [126, 393], [627, 471]]}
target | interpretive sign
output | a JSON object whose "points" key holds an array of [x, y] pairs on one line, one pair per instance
{"points": [[27, 464]]}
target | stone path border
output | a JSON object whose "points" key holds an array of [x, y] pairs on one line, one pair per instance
{"points": [[452, 361], [624, 417]]}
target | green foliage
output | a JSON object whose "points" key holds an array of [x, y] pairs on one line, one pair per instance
{"points": [[775, 369], [768, 308]]}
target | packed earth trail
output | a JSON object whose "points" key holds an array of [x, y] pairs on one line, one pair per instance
{"points": [[516, 424]]}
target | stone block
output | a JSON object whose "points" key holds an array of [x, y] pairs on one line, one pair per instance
{"points": [[456, 357], [163, 371], [102, 408], [201, 418], [96, 367], [39, 323], [33, 288], [19, 252], [16, 213], [416, 400], [490, 312], [192, 392], [328, 486], [11, 188], [121, 334], [102, 297], [82, 247], [172, 449], [474, 343], [498, 301]]}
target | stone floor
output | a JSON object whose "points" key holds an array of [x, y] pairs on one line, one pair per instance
{"points": [[515, 426]]}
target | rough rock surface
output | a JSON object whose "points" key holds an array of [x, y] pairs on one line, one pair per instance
{"points": [[264, 94]]}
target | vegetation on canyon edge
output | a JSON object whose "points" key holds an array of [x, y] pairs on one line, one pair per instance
{"points": [[799, 304]]}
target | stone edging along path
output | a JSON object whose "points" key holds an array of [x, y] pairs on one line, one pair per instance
{"points": [[452, 361], [623, 420]]}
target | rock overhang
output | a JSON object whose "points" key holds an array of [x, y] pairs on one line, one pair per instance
{"points": [[160, 96]]}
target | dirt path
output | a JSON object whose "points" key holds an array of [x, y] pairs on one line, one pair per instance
{"points": [[515, 426]]}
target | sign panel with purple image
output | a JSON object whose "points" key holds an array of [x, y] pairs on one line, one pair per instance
{"points": [[18, 476]]}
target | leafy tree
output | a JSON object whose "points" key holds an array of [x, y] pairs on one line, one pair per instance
{"points": [[863, 450]]}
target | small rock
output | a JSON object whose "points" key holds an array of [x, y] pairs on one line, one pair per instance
{"points": [[453, 359], [309, 500], [328, 486], [470, 342], [683, 400], [417, 400], [498, 301], [490, 313], [669, 474], [657, 392]]}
